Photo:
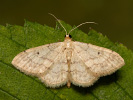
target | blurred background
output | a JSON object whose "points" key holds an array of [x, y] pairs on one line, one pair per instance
{"points": [[114, 17]]}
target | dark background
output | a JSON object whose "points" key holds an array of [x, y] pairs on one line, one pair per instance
{"points": [[114, 17]]}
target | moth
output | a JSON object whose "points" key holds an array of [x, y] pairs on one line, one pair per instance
{"points": [[67, 62]]}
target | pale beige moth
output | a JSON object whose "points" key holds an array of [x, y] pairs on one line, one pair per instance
{"points": [[67, 62]]}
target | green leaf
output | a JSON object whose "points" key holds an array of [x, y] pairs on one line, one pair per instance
{"points": [[16, 85]]}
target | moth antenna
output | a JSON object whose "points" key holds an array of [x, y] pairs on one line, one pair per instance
{"points": [[59, 22], [81, 25]]}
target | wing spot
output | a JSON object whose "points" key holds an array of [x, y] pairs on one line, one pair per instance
{"points": [[38, 53], [98, 53]]}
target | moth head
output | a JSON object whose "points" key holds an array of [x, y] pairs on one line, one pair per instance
{"points": [[68, 37]]}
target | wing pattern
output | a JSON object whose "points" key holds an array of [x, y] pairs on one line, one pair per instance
{"points": [[36, 61], [99, 60]]}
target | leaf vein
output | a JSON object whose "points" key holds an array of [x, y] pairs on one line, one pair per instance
{"points": [[124, 91], [9, 94]]}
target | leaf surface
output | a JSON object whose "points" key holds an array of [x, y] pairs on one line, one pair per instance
{"points": [[15, 85]]}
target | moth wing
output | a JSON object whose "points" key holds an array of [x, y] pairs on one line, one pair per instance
{"points": [[36, 61], [56, 75], [80, 74], [99, 60]]}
